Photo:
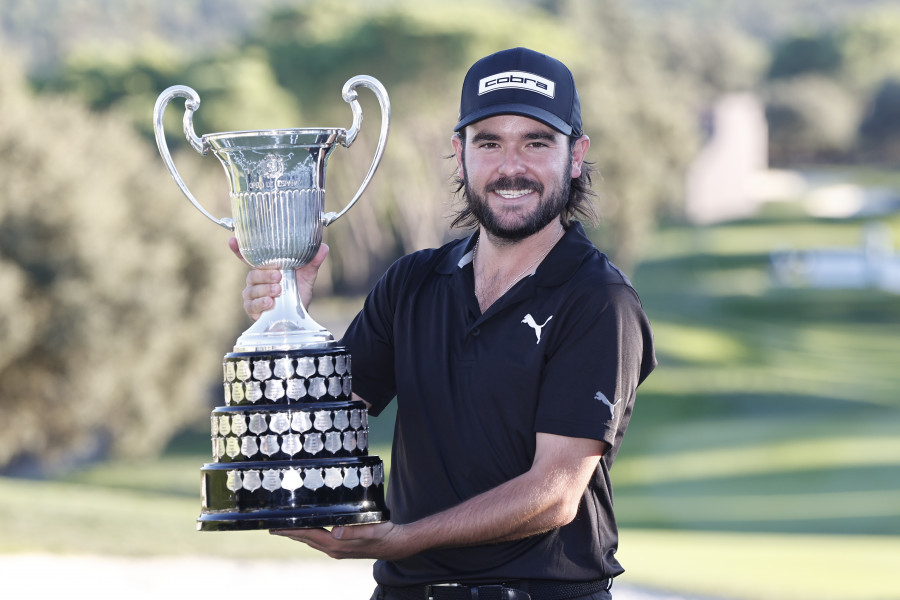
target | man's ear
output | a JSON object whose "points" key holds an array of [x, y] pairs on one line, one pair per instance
{"points": [[458, 143], [579, 152]]}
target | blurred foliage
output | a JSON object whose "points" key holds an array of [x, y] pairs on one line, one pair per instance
{"points": [[136, 291], [880, 128], [642, 137], [715, 60], [114, 310], [289, 70], [870, 49], [827, 90], [42, 33], [805, 53], [810, 117], [859, 53], [846, 50], [767, 20], [132, 298]]}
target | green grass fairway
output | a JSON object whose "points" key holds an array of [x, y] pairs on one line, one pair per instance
{"points": [[774, 409], [98, 519], [77, 518], [762, 461], [756, 566]]}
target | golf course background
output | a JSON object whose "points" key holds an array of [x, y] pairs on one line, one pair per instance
{"points": [[763, 459]]}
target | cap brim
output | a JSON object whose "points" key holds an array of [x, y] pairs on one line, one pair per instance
{"points": [[523, 110]]}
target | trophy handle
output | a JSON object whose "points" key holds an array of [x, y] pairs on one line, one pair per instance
{"points": [[192, 103], [350, 96]]}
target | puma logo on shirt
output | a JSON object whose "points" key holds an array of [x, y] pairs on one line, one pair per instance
{"points": [[529, 320], [602, 398]]}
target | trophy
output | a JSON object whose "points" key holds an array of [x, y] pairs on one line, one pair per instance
{"points": [[290, 445]]}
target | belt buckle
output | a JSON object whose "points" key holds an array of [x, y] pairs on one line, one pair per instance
{"points": [[428, 588]]}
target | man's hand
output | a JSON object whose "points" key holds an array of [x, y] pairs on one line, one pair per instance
{"points": [[264, 283], [385, 541]]}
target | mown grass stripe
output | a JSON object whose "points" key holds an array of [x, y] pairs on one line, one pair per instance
{"points": [[777, 456], [764, 507]]}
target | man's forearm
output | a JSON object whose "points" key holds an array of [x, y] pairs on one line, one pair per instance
{"points": [[544, 498]]}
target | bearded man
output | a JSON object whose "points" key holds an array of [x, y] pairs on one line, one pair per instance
{"points": [[514, 356]]}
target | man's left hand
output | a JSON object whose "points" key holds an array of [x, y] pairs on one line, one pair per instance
{"points": [[380, 540]]}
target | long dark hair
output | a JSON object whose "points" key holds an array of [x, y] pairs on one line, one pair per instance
{"points": [[580, 205]]}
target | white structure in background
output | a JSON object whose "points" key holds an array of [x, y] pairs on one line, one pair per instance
{"points": [[872, 265], [730, 179], [841, 200], [723, 181]]}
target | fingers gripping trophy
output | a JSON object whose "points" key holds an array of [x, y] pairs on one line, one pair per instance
{"points": [[290, 445]]}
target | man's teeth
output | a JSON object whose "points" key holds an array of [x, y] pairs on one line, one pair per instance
{"points": [[512, 194]]}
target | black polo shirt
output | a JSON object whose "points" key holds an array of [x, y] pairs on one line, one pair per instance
{"points": [[562, 352]]}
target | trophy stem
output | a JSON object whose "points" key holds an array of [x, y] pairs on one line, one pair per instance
{"points": [[287, 326]]}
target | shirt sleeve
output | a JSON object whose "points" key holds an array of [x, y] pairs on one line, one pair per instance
{"points": [[370, 340], [598, 357]]}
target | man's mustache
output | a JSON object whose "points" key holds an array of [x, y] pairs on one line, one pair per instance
{"points": [[514, 183]]}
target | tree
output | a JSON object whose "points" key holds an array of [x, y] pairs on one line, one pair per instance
{"points": [[880, 129], [804, 54], [118, 303], [810, 118], [870, 46], [819, 81], [641, 120], [717, 58]]}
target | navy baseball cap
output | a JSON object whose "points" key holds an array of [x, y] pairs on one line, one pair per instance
{"points": [[522, 82]]}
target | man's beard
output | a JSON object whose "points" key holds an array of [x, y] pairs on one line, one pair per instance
{"points": [[548, 209]]}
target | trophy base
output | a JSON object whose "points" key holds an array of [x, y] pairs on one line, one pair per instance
{"points": [[330, 517], [290, 446], [295, 495]]}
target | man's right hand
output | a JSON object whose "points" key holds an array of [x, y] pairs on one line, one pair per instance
{"points": [[264, 283]]}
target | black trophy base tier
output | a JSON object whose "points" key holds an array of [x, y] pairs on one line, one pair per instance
{"points": [[263, 496], [290, 446]]}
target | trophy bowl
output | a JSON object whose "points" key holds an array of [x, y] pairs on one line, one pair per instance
{"points": [[277, 180]]}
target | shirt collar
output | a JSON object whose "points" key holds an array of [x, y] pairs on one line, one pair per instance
{"points": [[559, 265]]}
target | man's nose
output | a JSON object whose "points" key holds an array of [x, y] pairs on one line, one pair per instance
{"points": [[512, 164]]}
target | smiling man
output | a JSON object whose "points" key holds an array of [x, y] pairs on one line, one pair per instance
{"points": [[499, 484]]}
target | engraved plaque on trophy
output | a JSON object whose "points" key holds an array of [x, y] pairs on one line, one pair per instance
{"points": [[290, 444]]}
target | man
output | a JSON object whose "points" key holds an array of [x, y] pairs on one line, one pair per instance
{"points": [[514, 356]]}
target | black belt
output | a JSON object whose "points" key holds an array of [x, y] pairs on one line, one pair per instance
{"points": [[530, 589]]}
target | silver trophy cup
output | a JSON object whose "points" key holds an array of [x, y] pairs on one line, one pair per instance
{"points": [[277, 182]]}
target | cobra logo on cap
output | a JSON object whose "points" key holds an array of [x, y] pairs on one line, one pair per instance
{"points": [[518, 80]]}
